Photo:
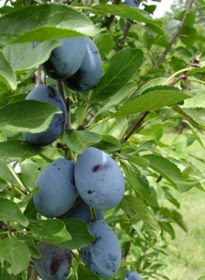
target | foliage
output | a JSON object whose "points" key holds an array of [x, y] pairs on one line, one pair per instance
{"points": [[141, 97]]}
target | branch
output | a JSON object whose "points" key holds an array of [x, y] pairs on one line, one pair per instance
{"points": [[5, 227], [108, 20], [176, 35], [121, 41]]}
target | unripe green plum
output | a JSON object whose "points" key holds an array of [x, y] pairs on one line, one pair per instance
{"points": [[90, 71], [57, 191], [48, 95], [54, 263], [103, 256], [99, 179], [66, 59]]}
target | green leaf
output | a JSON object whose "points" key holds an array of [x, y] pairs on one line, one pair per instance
{"points": [[7, 75], [136, 208], [16, 253], [32, 55], [27, 116], [122, 67], [196, 114], [50, 231], [10, 212], [85, 273], [105, 43], [79, 140], [80, 233], [168, 170], [153, 99], [17, 150], [126, 12], [6, 174], [44, 23]]}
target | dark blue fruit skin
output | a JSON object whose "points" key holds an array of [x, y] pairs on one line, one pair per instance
{"points": [[132, 3], [48, 95], [57, 190], [132, 276], [89, 74], [54, 263], [66, 59], [103, 256], [99, 179], [82, 211]]}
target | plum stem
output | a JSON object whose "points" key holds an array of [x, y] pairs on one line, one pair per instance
{"points": [[38, 77]]}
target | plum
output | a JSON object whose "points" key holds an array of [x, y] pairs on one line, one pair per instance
{"points": [[103, 256], [132, 3], [98, 179], [130, 275], [57, 191], [89, 73], [66, 59], [54, 263], [82, 211], [47, 94]]}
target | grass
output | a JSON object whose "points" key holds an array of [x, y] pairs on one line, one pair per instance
{"points": [[187, 257]]}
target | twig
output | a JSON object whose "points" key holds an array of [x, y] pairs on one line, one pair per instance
{"points": [[108, 20], [175, 37], [136, 126], [38, 77], [7, 228], [122, 40]]}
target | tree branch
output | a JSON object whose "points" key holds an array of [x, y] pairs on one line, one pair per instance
{"points": [[175, 37]]}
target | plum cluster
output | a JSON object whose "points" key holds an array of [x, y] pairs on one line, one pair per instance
{"points": [[99, 183], [77, 63]]}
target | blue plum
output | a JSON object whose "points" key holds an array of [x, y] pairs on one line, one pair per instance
{"points": [[130, 275], [98, 179], [103, 256], [66, 59], [54, 263], [132, 3], [90, 71], [57, 191], [82, 211], [48, 95]]}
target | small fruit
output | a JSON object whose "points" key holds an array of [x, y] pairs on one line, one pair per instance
{"points": [[66, 59], [130, 275], [57, 191], [99, 179], [48, 95], [54, 263], [103, 256], [90, 71]]}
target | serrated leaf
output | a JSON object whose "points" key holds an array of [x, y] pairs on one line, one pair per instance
{"points": [[136, 208], [122, 67], [10, 212], [168, 170], [126, 12], [27, 116], [7, 75], [16, 150], [151, 84], [16, 253], [32, 55], [153, 99], [80, 233], [44, 23], [79, 140], [50, 231]]}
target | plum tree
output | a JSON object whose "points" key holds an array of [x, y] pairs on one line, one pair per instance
{"points": [[82, 211], [98, 179], [47, 94], [66, 59], [130, 275], [54, 263], [57, 190], [103, 256], [89, 73]]}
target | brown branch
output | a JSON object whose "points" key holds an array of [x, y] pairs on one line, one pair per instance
{"points": [[175, 37], [108, 20], [7, 228], [136, 126], [121, 41]]}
